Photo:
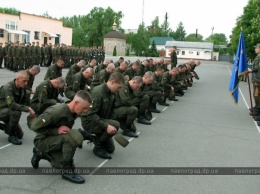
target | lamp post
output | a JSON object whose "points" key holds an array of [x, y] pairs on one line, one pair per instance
{"points": [[212, 31]]}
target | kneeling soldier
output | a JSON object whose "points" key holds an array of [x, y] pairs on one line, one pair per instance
{"points": [[56, 141]]}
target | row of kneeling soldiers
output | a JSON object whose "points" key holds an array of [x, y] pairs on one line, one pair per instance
{"points": [[106, 97]]}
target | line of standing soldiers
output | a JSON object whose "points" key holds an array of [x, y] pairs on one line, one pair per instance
{"points": [[19, 56]]}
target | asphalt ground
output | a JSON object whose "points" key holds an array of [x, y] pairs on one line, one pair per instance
{"points": [[203, 129]]}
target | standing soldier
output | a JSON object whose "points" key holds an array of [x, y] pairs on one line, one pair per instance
{"points": [[1, 55], [54, 52], [50, 54], [15, 57], [173, 57], [27, 55], [103, 55], [6, 60], [33, 54], [256, 83], [38, 54], [42, 55], [10, 56], [21, 55]]}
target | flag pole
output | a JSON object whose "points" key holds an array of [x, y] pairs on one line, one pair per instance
{"points": [[249, 88]]}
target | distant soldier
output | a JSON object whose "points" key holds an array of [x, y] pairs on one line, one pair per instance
{"points": [[173, 57], [103, 76], [32, 72], [80, 81], [120, 60], [46, 94], [1, 55], [54, 70], [73, 70], [132, 71], [37, 54]]}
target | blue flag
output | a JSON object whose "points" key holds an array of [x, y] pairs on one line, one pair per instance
{"points": [[239, 68]]}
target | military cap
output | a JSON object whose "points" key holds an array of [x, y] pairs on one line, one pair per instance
{"points": [[258, 45], [174, 47], [122, 58]]}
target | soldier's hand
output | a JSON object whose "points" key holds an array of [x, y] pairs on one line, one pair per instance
{"points": [[63, 130], [31, 111], [111, 129]]}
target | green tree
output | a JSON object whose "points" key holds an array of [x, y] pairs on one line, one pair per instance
{"points": [[194, 38], [114, 51], [140, 42], [179, 33], [12, 11], [88, 30], [249, 23], [154, 29], [153, 50]]}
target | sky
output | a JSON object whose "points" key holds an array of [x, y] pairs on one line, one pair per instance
{"points": [[203, 15]]}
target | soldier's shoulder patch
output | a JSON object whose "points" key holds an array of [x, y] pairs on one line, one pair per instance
{"points": [[8, 100], [126, 91]]}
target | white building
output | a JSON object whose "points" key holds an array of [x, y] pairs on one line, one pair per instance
{"points": [[190, 50]]}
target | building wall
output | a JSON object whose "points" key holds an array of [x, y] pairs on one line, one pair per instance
{"points": [[186, 53], [110, 43], [31, 23]]}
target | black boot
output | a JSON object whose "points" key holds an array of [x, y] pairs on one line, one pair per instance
{"points": [[37, 156], [69, 174], [129, 133], [154, 109], [14, 140], [164, 104], [101, 152], [142, 120]]}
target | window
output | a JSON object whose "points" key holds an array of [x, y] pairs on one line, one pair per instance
{"points": [[177, 53], [1, 33], [198, 53], [26, 37], [36, 35], [190, 52], [183, 52], [11, 25]]}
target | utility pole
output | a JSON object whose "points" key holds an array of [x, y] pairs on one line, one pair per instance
{"points": [[212, 31], [166, 18], [143, 13]]}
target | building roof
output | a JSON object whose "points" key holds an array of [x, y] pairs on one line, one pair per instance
{"points": [[184, 44], [114, 34], [160, 40], [127, 31]]}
